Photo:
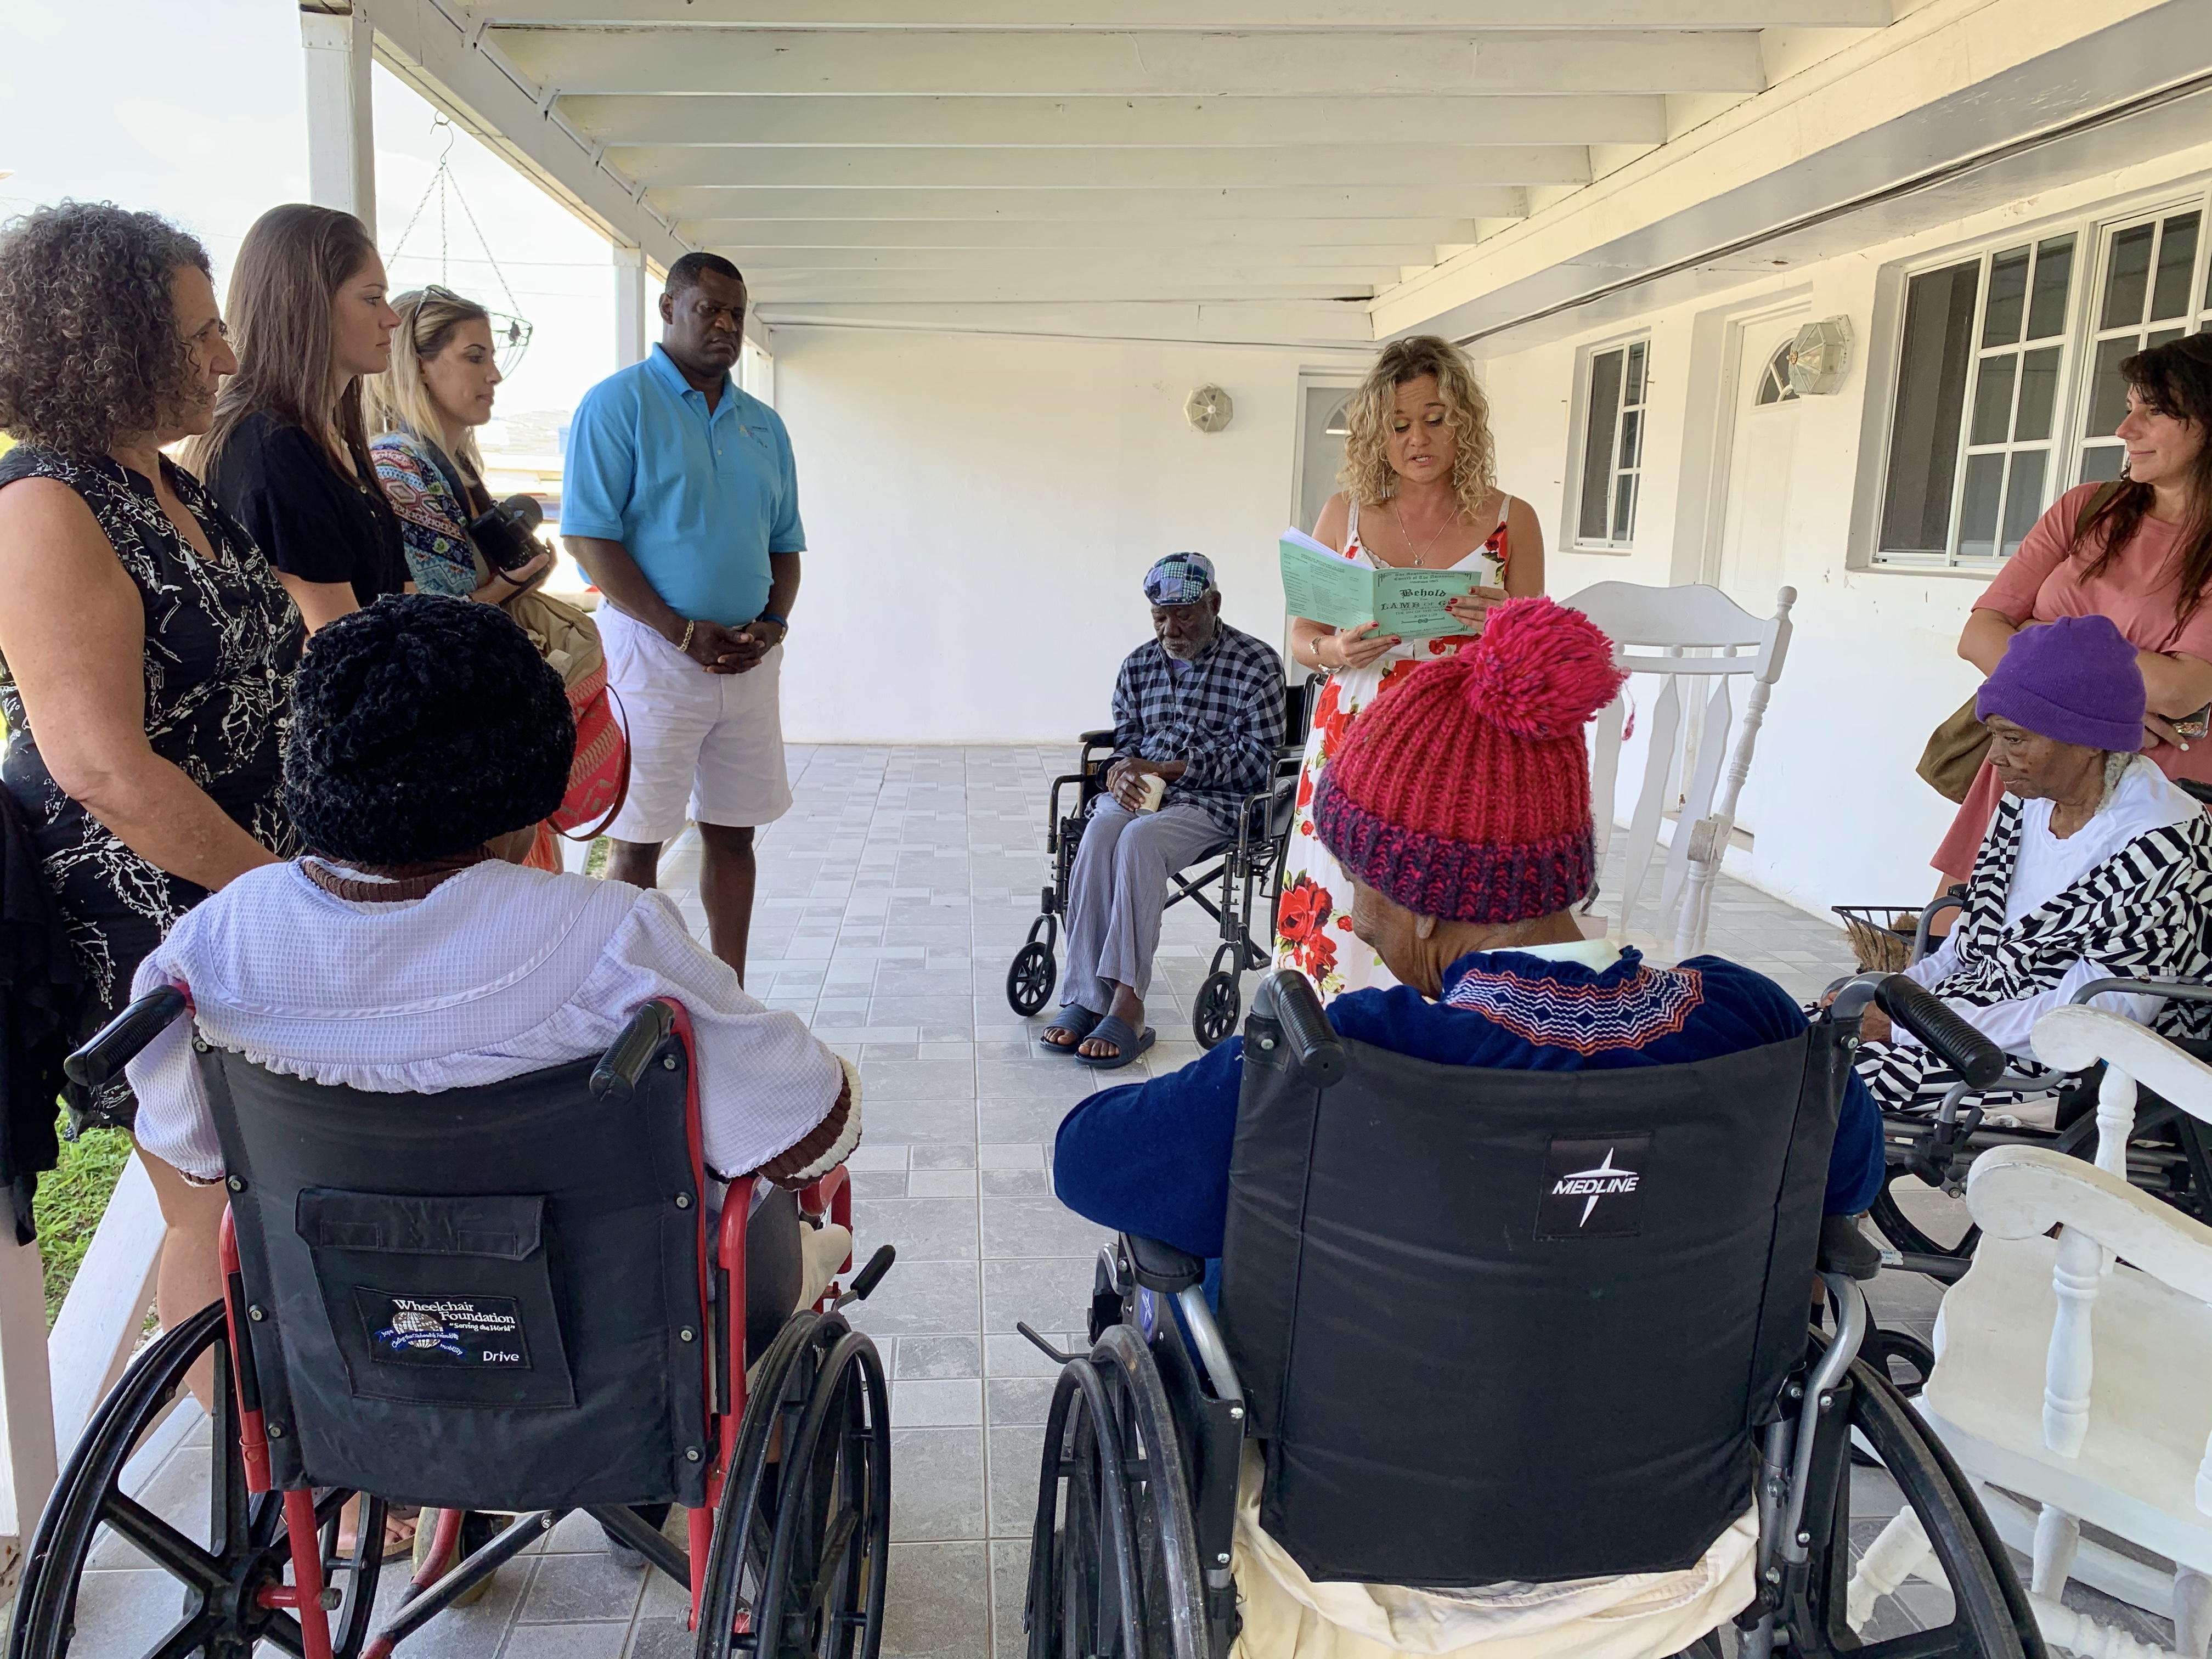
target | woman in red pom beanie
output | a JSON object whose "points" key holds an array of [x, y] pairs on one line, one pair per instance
{"points": [[1460, 808]]}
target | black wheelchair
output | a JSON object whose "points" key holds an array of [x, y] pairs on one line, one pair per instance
{"points": [[1249, 870], [496, 1299], [1571, 1342], [2169, 1154]]}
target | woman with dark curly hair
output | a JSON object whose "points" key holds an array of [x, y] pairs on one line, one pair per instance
{"points": [[287, 453], [145, 648]]}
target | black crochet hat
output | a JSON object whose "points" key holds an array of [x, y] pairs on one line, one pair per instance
{"points": [[423, 727]]}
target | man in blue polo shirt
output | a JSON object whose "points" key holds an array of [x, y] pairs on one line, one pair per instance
{"points": [[682, 504]]}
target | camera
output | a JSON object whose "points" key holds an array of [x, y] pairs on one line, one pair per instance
{"points": [[507, 532]]}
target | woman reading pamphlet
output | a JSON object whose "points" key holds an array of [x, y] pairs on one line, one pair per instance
{"points": [[1423, 541]]}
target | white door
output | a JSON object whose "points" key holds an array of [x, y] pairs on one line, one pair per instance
{"points": [[1757, 515]]}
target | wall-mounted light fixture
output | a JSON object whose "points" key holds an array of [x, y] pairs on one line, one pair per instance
{"points": [[1818, 356], [1209, 408]]}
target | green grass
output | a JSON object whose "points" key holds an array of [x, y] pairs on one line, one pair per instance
{"points": [[70, 1201], [595, 862]]}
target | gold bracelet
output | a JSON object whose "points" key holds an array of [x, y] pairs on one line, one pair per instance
{"points": [[685, 644]]}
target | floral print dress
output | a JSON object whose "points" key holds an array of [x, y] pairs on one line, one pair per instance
{"points": [[1313, 924]]}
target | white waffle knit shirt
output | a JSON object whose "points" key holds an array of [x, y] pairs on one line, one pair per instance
{"points": [[498, 971]]}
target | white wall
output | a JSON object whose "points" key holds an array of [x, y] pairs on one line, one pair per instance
{"points": [[1839, 815], [980, 511]]}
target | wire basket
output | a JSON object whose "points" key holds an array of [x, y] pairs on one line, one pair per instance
{"points": [[1882, 935]]}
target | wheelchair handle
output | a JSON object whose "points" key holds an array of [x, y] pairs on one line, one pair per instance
{"points": [[2172, 990], [1287, 998], [871, 1275], [119, 1040], [622, 1068], [1958, 1044]]}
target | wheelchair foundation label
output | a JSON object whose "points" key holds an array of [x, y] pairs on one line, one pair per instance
{"points": [[471, 1331], [1591, 1188]]}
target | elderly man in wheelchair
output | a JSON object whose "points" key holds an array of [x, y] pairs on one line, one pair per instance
{"points": [[478, 1257], [1511, 1357], [1198, 712]]}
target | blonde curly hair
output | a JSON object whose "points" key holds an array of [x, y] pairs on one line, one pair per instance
{"points": [[1365, 476]]}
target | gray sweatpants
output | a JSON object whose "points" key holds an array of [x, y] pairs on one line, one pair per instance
{"points": [[1117, 890]]}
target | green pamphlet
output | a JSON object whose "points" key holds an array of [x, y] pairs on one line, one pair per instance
{"points": [[1325, 586]]}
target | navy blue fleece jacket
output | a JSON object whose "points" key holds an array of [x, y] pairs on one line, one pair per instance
{"points": [[1153, 1158]]}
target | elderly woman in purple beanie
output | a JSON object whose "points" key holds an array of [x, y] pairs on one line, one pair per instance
{"points": [[2095, 866]]}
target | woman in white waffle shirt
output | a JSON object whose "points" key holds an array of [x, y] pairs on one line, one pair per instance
{"points": [[410, 951]]}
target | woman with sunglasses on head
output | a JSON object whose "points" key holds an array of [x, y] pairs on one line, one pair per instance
{"points": [[424, 410], [289, 454], [2139, 551]]}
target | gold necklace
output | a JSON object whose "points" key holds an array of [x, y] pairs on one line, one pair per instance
{"points": [[1421, 558]]}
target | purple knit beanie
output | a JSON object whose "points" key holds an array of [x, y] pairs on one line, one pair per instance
{"points": [[2074, 680]]}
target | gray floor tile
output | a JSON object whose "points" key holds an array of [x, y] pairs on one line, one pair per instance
{"points": [[1010, 1573], [565, 1589], [938, 1602], [912, 1121], [921, 1298], [1036, 1120], [940, 1356], [591, 1641], [1016, 1401], [924, 1229], [1050, 1294], [1037, 1227], [937, 1492]]}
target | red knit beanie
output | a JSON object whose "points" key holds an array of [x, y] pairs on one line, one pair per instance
{"points": [[1462, 792]]}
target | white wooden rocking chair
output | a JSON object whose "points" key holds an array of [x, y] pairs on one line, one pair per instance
{"points": [[1654, 631], [2076, 1371]]}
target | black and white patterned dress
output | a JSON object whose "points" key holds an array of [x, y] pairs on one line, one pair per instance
{"points": [[223, 638]]}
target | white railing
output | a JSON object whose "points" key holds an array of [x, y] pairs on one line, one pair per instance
{"points": [[49, 1385]]}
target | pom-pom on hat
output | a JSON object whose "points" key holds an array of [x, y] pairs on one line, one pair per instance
{"points": [[421, 727], [1462, 792]]}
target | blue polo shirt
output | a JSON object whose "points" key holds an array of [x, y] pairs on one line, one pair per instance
{"points": [[699, 499]]}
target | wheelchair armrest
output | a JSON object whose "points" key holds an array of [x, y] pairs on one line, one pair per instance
{"points": [[119, 1040], [1162, 1266], [1095, 739], [2174, 990]]}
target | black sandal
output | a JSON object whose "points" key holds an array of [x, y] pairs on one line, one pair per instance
{"points": [[1077, 1021]]}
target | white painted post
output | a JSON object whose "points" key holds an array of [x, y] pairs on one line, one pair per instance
{"points": [[98, 1328], [630, 306], [340, 47], [2058, 1538], [28, 1461], [2116, 1120], [2075, 1281]]}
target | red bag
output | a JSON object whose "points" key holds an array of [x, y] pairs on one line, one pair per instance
{"points": [[598, 778]]}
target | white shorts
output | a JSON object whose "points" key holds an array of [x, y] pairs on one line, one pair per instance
{"points": [[705, 747]]}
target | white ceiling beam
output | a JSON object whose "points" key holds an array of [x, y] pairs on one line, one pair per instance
{"points": [[1089, 206], [1256, 235], [1344, 16], [981, 288], [1140, 251], [1439, 166], [1619, 59], [1336, 326], [1119, 122], [417, 41]]}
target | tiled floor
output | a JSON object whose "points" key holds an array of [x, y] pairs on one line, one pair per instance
{"points": [[891, 900]]}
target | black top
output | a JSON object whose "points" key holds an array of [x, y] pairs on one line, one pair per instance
{"points": [[223, 638], [310, 521]]}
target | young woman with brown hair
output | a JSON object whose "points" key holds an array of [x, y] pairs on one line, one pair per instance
{"points": [[2142, 557], [288, 453]]}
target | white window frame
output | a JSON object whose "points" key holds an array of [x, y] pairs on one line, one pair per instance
{"points": [[2068, 445], [1586, 362]]}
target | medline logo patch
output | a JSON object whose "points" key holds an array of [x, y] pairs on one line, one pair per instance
{"points": [[1593, 1187]]}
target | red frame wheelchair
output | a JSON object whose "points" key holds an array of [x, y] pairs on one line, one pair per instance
{"points": [[501, 1298]]}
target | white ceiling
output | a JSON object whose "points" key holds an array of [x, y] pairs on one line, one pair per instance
{"points": [[854, 155]]}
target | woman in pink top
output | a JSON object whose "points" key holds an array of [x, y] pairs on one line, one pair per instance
{"points": [[2144, 559]]}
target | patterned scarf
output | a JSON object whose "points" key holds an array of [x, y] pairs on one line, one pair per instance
{"points": [[2140, 914]]}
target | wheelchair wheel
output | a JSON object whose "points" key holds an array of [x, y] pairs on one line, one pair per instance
{"points": [[802, 1534], [247, 1549], [1899, 1464], [1213, 1013], [1030, 980], [1942, 1229], [1113, 1569]]}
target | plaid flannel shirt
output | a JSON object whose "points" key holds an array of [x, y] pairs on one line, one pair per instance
{"points": [[1225, 718]]}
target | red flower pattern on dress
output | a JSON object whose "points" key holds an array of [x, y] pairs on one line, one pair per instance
{"points": [[1301, 923]]}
